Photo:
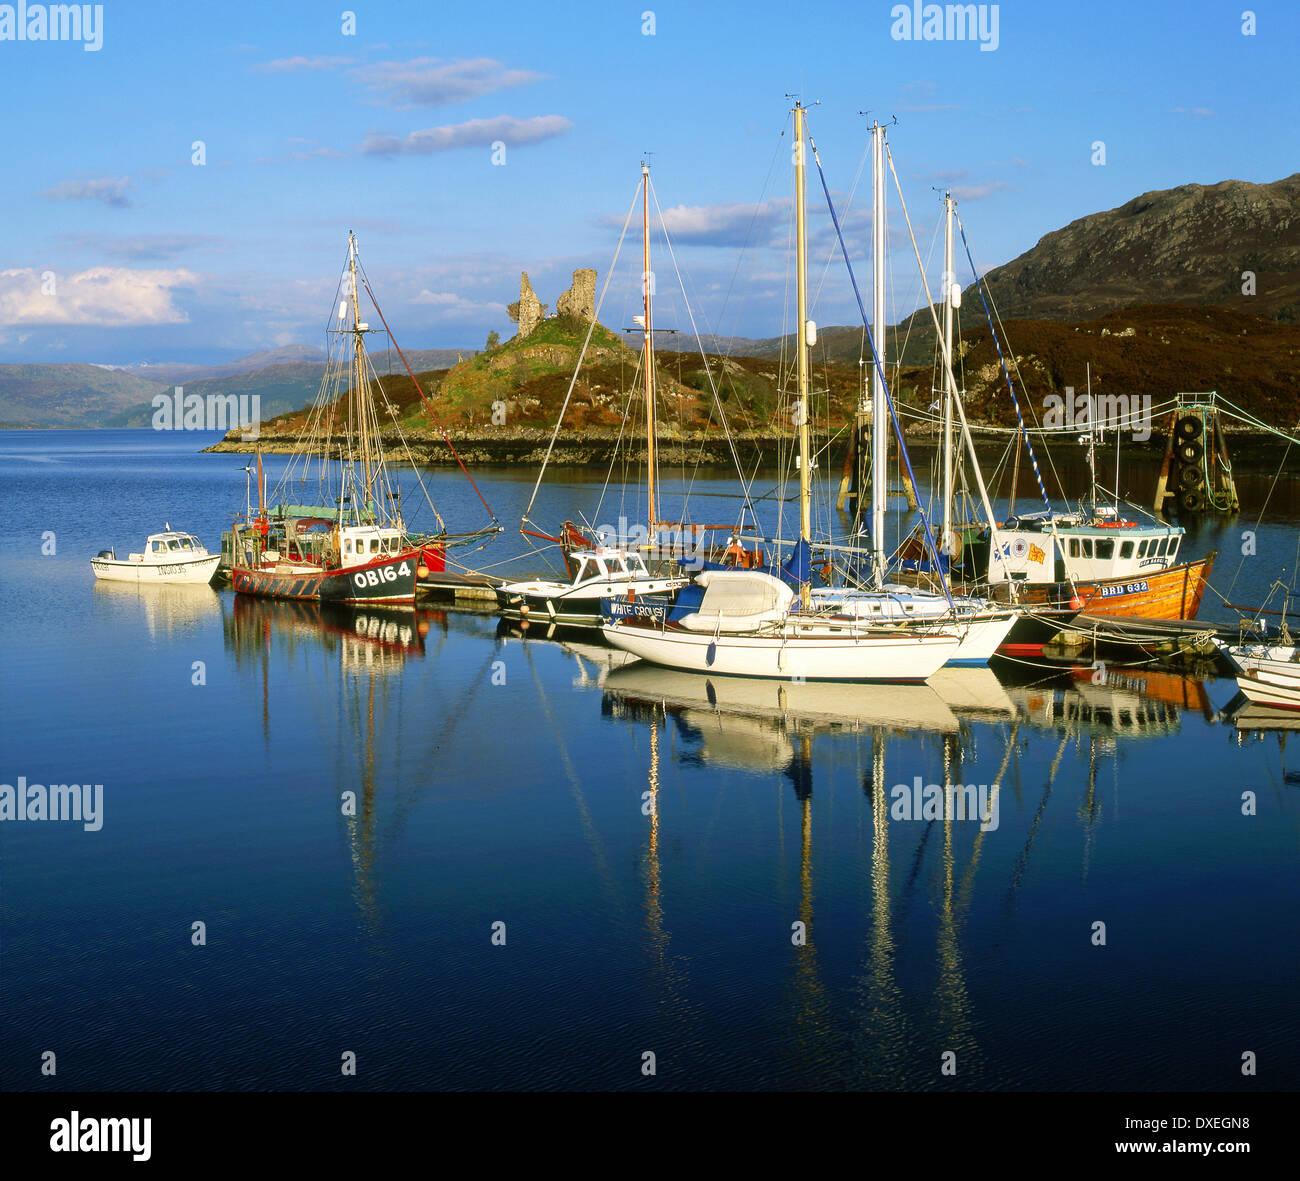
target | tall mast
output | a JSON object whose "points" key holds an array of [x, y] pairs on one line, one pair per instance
{"points": [[1092, 439], [801, 259], [646, 284], [359, 392], [879, 434], [949, 380]]}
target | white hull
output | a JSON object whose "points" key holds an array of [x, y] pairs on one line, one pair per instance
{"points": [[1263, 692], [981, 638], [980, 630], [820, 705], [569, 605], [1268, 675], [189, 571], [788, 654]]}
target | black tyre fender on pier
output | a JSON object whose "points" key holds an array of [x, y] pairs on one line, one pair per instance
{"points": [[1190, 451], [1188, 427], [1191, 501], [1190, 477]]}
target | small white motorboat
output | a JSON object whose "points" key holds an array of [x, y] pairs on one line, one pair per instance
{"points": [[1267, 674], [169, 557]]}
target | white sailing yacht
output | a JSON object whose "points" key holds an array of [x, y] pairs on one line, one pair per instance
{"points": [[597, 571], [751, 623], [981, 625]]}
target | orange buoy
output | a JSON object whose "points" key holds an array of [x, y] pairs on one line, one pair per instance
{"points": [[422, 571], [1076, 603]]}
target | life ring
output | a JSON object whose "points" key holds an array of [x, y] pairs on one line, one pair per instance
{"points": [[826, 573]]}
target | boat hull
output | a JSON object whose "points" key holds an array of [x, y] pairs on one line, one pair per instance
{"points": [[191, 572], [865, 656], [567, 606], [1173, 593], [1267, 675], [390, 579]]}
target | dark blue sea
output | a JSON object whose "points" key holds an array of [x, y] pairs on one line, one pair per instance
{"points": [[480, 861]]}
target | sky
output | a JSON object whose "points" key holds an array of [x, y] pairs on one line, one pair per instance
{"points": [[179, 183]]}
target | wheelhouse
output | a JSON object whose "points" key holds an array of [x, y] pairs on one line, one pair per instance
{"points": [[360, 544], [608, 564]]}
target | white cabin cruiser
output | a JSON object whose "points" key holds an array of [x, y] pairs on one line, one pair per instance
{"points": [[169, 557], [601, 572]]}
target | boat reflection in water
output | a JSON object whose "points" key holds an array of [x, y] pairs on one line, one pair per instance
{"points": [[1118, 703], [594, 658], [170, 609], [343, 662], [789, 729]]}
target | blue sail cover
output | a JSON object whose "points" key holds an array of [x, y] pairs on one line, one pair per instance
{"points": [[797, 568]]}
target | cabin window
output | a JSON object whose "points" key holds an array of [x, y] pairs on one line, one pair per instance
{"points": [[158, 547], [1074, 547], [1173, 546], [347, 546], [1164, 546], [616, 565], [173, 544], [1086, 543], [1142, 548], [1105, 547], [374, 545], [1126, 549]]}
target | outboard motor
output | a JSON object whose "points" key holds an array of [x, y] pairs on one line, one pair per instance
{"points": [[107, 553]]}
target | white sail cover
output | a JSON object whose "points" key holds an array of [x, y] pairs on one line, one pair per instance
{"points": [[738, 600]]}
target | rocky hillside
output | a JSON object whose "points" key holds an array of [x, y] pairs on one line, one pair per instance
{"points": [[1191, 245]]}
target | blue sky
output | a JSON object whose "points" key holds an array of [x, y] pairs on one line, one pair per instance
{"points": [[309, 131]]}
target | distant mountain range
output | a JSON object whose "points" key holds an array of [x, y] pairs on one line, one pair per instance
{"points": [[1233, 245], [84, 395]]}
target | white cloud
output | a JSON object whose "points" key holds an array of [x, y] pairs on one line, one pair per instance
{"points": [[430, 82], [453, 307], [473, 133], [978, 192], [144, 247], [729, 223], [289, 65], [111, 297], [109, 190]]}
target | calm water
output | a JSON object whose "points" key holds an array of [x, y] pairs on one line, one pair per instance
{"points": [[500, 780]]}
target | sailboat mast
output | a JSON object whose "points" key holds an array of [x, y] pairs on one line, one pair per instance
{"points": [[801, 259], [359, 391], [646, 284], [949, 392], [1092, 439], [879, 434]]}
